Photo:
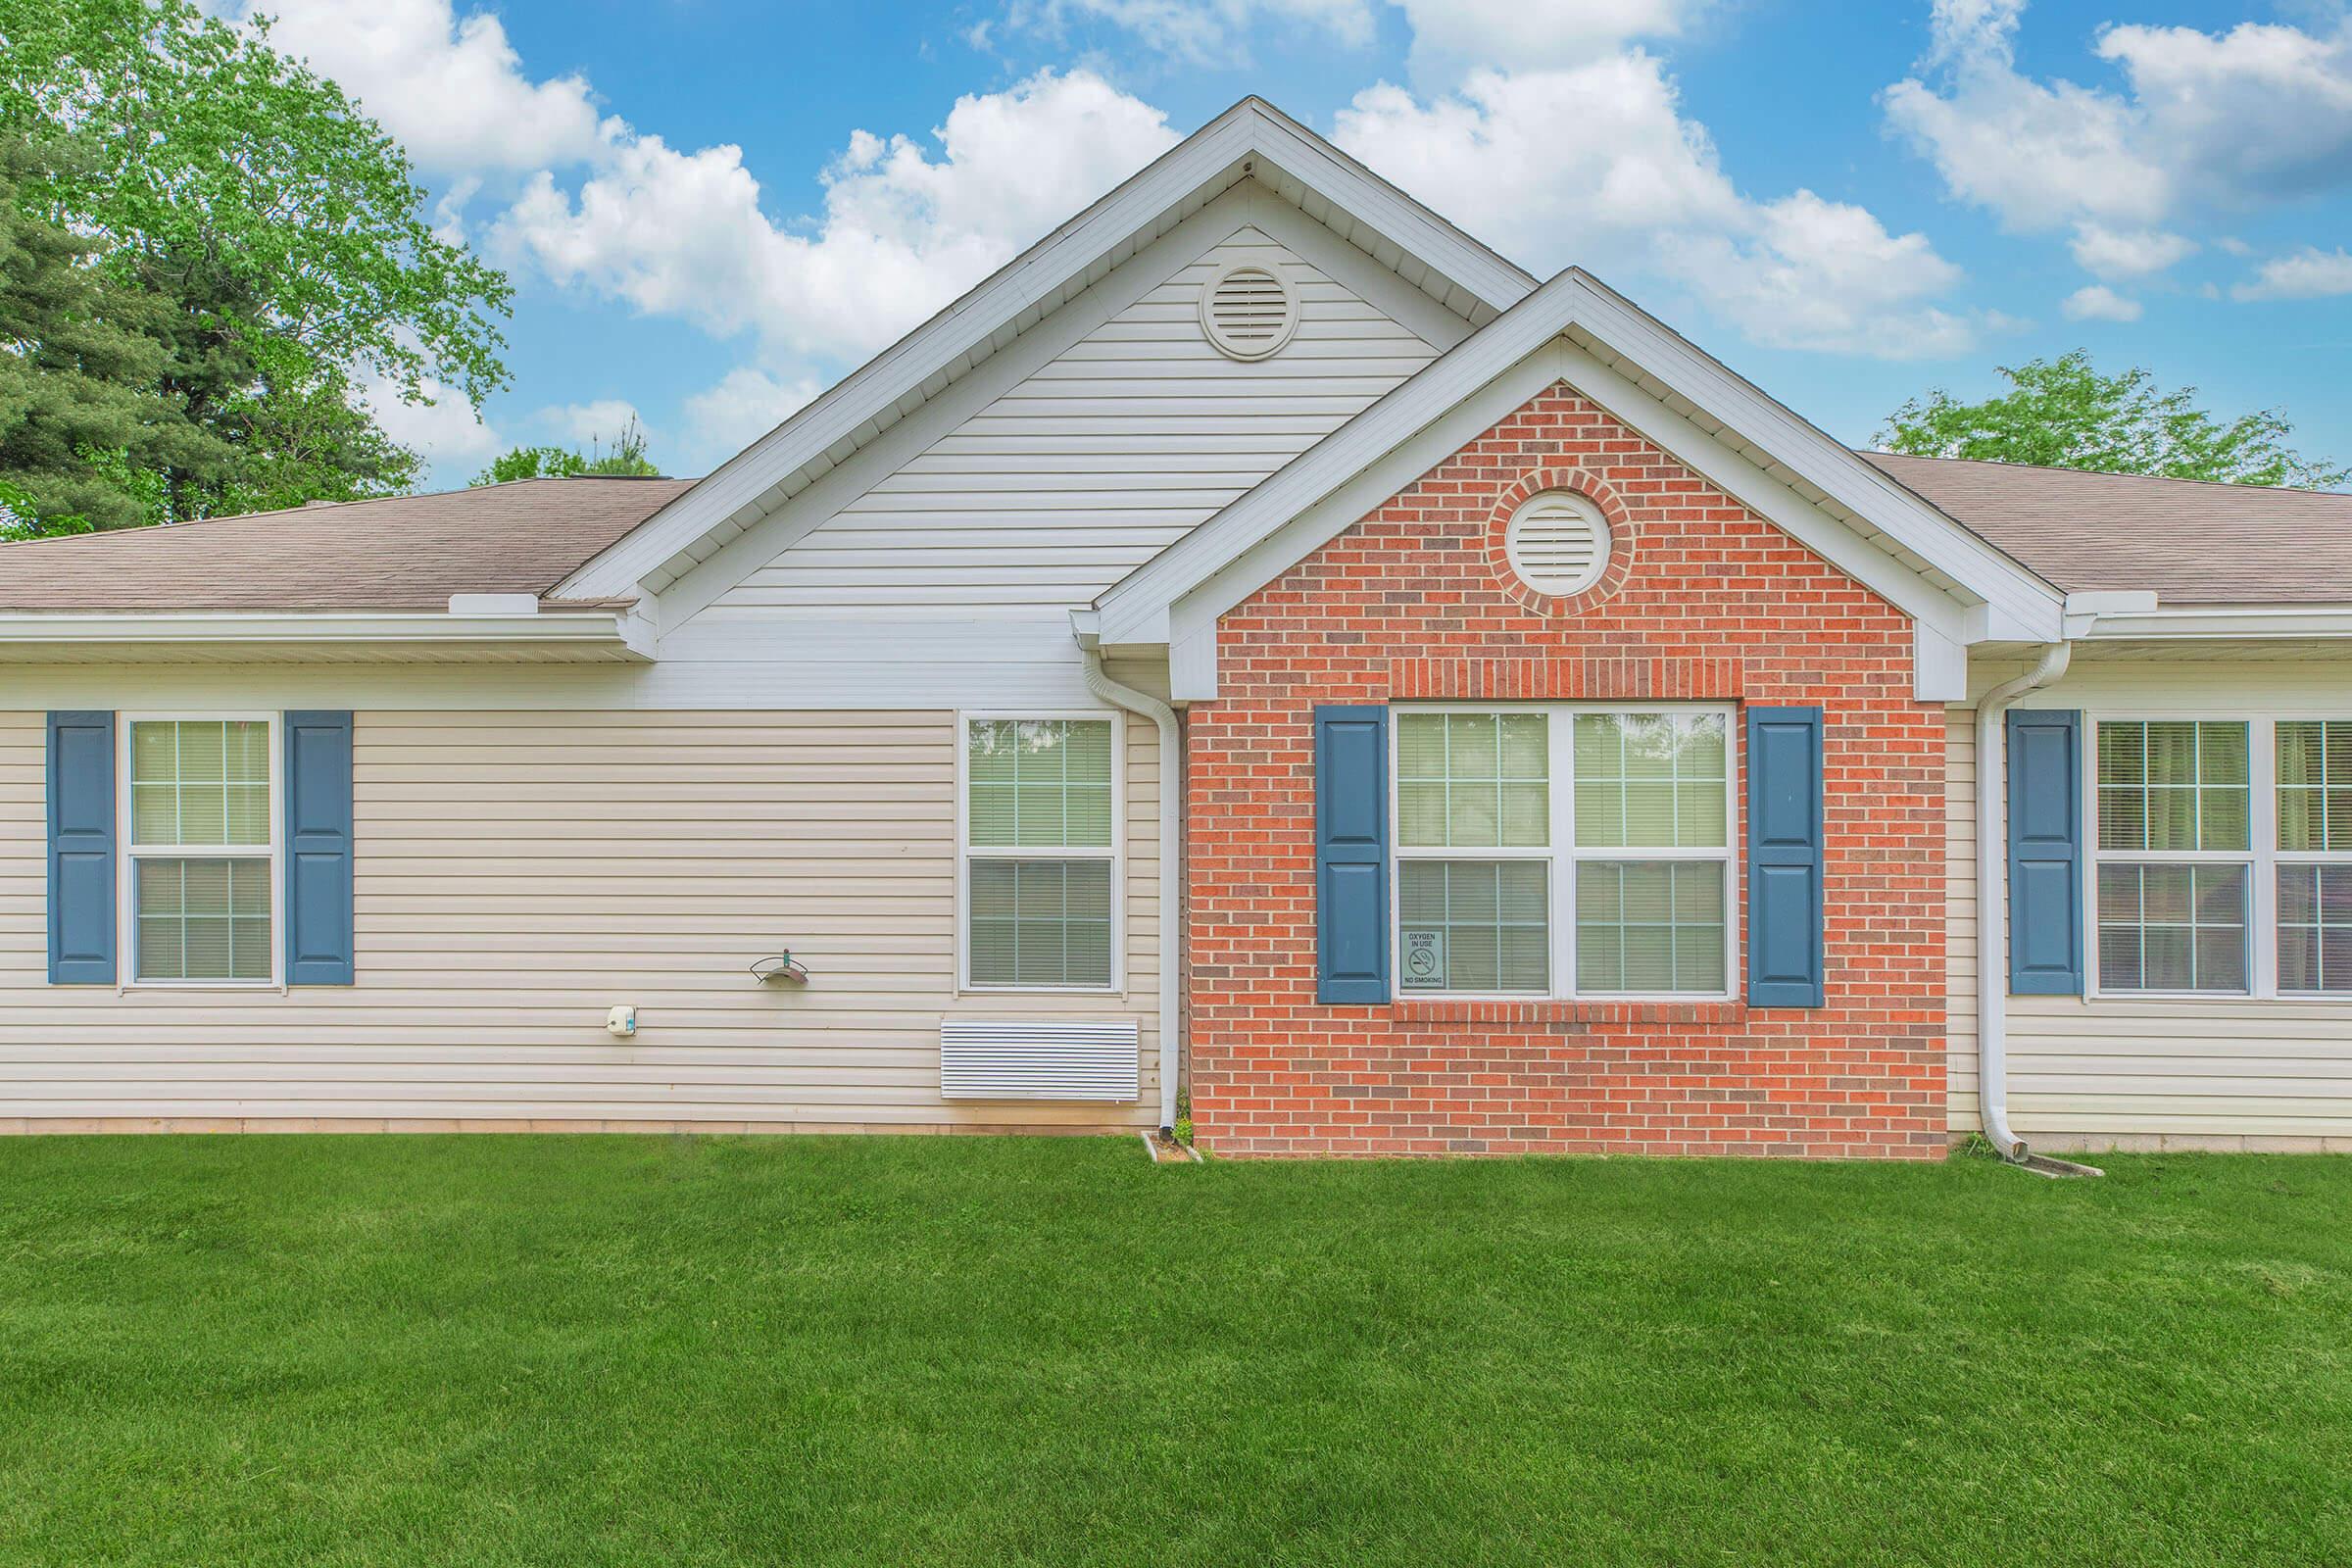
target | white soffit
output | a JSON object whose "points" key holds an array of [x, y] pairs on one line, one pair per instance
{"points": [[1251, 140]]}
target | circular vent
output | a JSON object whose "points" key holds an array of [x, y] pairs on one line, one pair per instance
{"points": [[1249, 312], [1558, 543]]}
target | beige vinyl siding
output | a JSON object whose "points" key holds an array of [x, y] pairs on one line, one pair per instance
{"points": [[2111, 1071], [1101, 458], [517, 874]]}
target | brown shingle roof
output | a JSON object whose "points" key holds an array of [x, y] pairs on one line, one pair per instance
{"points": [[2187, 541], [2190, 543], [401, 553]]}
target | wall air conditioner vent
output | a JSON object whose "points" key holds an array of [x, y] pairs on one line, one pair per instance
{"points": [[988, 1058]]}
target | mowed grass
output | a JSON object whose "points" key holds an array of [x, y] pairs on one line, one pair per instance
{"points": [[491, 1351]]}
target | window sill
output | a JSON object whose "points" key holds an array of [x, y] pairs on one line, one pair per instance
{"points": [[1557, 1011], [1100, 993], [2335, 997]]}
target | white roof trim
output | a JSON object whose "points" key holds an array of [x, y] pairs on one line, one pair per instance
{"points": [[919, 365], [2206, 622], [2013, 602], [596, 633]]}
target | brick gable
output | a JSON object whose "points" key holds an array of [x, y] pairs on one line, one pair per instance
{"points": [[1702, 599]]}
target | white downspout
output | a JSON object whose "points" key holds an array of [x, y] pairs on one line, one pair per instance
{"points": [[1171, 807], [1992, 899]]}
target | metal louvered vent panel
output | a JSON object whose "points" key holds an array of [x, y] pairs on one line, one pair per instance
{"points": [[1557, 547], [993, 1060]]}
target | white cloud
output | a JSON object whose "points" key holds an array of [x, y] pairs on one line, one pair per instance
{"points": [[2036, 154], [1199, 31], [1582, 165], [445, 431], [2126, 253], [1825, 275], [451, 90], [745, 404], [449, 213], [902, 233], [2219, 120], [583, 423], [1596, 164], [1451, 36], [2261, 111], [2309, 273], [2096, 302]]}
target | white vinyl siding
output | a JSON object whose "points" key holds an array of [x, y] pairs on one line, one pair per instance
{"points": [[518, 872], [1102, 458], [2138, 1072]]}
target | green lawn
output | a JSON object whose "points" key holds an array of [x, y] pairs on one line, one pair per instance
{"points": [[418, 1350]]}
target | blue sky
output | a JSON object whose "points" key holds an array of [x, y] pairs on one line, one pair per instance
{"points": [[712, 209]]}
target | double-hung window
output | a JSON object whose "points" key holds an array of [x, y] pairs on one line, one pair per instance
{"points": [[2223, 857], [1039, 857], [1564, 851], [200, 878], [2314, 854]]}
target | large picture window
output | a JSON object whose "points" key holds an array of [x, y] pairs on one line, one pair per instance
{"points": [[2223, 855], [201, 873], [1040, 853], [1564, 851]]}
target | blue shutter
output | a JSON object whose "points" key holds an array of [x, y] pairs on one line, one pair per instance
{"points": [[2045, 853], [318, 944], [1351, 853], [81, 848], [1783, 857]]}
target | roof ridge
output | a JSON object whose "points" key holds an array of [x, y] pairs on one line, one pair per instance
{"points": [[2098, 473]]}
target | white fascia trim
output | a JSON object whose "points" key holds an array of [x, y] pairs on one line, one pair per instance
{"points": [[2018, 603], [1326, 518], [607, 628], [2208, 622], [1217, 153], [1189, 627], [1135, 608], [1072, 321]]}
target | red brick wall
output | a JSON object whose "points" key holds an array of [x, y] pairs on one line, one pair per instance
{"points": [[1702, 599]]}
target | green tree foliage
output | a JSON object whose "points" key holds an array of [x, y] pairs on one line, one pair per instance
{"points": [[2063, 413], [626, 457], [284, 231], [87, 431]]}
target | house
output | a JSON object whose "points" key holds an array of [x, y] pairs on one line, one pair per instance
{"points": [[1260, 638]]}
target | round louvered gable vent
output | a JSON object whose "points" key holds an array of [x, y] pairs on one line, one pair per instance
{"points": [[1249, 312], [1558, 543]]}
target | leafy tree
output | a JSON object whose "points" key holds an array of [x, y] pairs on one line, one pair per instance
{"points": [[627, 457], [86, 430], [284, 227], [2063, 413]]}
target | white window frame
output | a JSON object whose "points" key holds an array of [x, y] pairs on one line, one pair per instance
{"points": [[127, 912], [1116, 853], [1564, 859], [2263, 857]]}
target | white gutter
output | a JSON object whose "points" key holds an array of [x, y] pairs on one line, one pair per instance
{"points": [[614, 629], [1992, 899], [1171, 807]]}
